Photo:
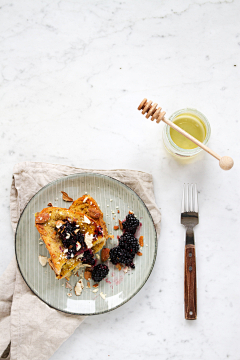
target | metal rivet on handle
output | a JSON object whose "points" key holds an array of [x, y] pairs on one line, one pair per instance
{"points": [[190, 268]]}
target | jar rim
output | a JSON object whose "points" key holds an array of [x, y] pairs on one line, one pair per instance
{"points": [[187, 152]]}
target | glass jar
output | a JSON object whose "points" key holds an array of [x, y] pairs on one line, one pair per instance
{"points": [[170, 144]]}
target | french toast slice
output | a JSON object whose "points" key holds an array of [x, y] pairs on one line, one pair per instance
{"points": [[60, 227], [88, 206]]}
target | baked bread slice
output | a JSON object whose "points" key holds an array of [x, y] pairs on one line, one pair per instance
{"points": [[69, 237], [88, 206]]}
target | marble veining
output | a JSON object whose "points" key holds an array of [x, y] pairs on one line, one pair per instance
{"points": [[72, 74]]}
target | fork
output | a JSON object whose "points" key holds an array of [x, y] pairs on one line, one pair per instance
{"points": [[189, 218]]}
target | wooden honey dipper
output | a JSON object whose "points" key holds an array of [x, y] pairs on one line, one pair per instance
{"points": [[225, 162]]}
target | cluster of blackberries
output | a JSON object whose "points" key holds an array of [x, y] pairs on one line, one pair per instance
{"points": [[121, 256], [124, 253], [70, 234], [128, 245]]}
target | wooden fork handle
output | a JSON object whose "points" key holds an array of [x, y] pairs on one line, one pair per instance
{"points": [[190, 283]]}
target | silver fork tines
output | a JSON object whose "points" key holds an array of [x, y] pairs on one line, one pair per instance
{"points": [[190, 198], [189, 214]]}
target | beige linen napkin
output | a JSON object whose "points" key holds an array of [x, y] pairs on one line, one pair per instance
{"points": [[27, 323]]}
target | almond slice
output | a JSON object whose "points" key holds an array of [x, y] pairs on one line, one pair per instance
{"points": [[68, 286], [139, 253], [103, 296], [94, 213], [65, 197], [105, 254], [43, 260], [78, 288], [116, 227], [59, 224], [118, 266], [87, 274]]}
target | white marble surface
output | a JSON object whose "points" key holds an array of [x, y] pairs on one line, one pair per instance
{"points": [[72, 75]]}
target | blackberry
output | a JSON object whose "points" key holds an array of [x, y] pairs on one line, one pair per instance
{"points": [[88, 257], [115, 255], [121, 256], [127, 258], [69, 234], [131, 223], [128, 242], [99, 272]]}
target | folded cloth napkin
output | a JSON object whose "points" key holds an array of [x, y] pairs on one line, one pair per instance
{"points": [[27, 325]]}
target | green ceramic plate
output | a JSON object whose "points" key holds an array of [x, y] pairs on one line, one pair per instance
{"points": [[119, 287]]}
